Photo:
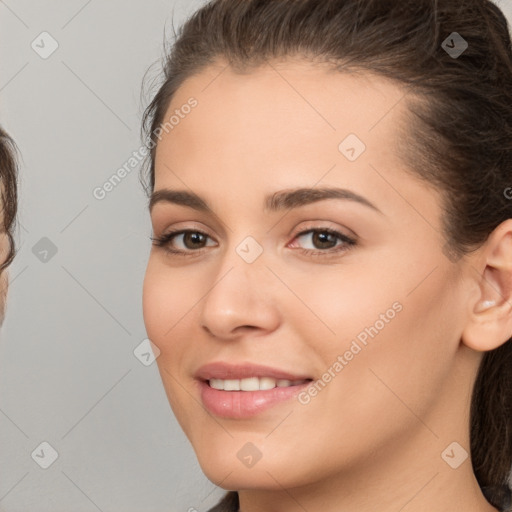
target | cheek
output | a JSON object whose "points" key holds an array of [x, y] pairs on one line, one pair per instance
{"points": [[165, 299], [163, 307], [153, 300], [393, 331], [406, 351], [342, 301], [167, 303]]}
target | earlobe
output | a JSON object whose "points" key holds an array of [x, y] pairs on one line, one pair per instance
{"points": [[490, 319]]}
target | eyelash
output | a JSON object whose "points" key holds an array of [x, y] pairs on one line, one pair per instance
{"points": [[164, 241]]}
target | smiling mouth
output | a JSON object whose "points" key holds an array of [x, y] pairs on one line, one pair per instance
{"points": [[253, 383]]}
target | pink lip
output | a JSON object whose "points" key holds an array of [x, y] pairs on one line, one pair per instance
{"points": [[221, 370], [244, 404]]}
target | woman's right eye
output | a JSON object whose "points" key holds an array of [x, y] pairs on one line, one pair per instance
{"points": [[189, 236]]}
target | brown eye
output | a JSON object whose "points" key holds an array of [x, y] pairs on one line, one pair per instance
{"points": [[325, 240], [191, 244], [194, 239]]}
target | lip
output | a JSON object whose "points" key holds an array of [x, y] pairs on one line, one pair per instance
{"points": [[245, 404], [221, 370]]}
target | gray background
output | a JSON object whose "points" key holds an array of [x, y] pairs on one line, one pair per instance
{"points": [[68, 374]]}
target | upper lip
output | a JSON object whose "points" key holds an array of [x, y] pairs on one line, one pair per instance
{"points": [[221, 370]]}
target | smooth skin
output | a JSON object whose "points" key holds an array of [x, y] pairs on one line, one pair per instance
{"points": [[372, 439]]}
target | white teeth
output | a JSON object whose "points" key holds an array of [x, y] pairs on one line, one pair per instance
{"points": [[267, 383], [232, 385], [252, 383]]}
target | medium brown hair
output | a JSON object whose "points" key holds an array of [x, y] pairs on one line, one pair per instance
{"points": [[460, 136], [9, 195]]}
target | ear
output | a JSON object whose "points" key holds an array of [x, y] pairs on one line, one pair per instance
{"points": [[490, 318]]}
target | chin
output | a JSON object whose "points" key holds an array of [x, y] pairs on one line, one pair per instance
{"points": [[223, 467]]}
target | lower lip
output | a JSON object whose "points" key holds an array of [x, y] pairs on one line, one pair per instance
{"points": [[245, 404]]}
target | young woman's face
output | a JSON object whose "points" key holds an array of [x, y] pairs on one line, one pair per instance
{"points": [[372, 311]]}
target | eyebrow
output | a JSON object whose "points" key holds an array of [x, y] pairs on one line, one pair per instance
{"points": [[282, 200]]}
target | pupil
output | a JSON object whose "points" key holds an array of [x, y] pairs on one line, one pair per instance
{"points": [[319, 238], [196, 237]]}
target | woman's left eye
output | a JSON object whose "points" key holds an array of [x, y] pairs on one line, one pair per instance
{"points": [[323, 238]]}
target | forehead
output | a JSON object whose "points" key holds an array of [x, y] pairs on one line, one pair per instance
{"points": [[281, 108], [285, 124]]}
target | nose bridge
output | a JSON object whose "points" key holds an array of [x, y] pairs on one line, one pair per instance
{"points": [[237, 294], [244, 245], [241, 269]]}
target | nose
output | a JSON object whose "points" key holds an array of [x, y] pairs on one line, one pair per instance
{"points": [[241, 298]]}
